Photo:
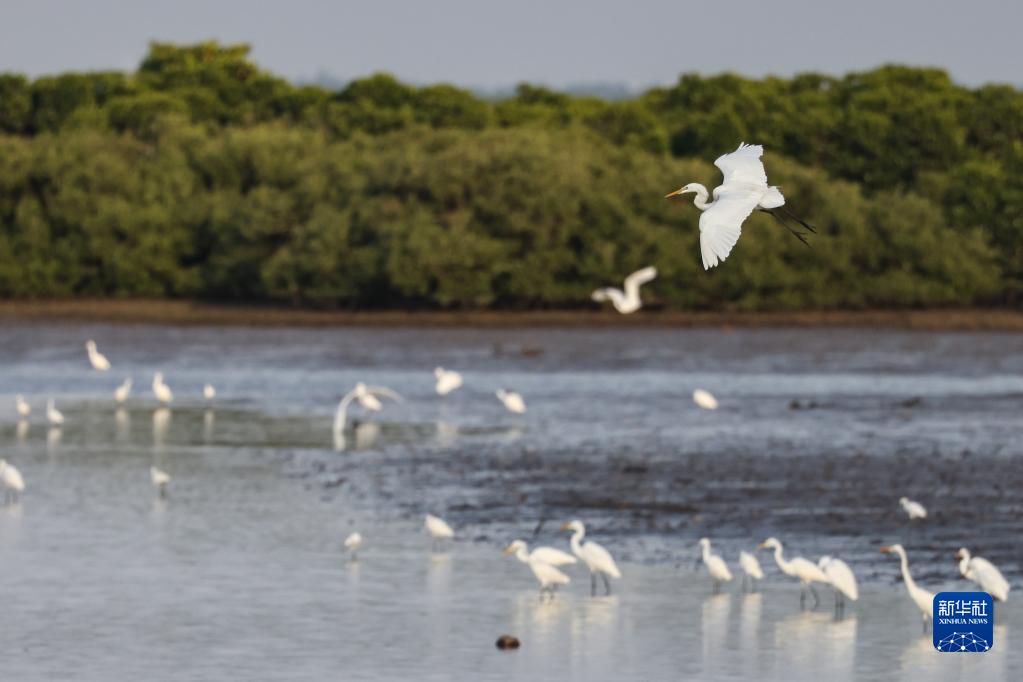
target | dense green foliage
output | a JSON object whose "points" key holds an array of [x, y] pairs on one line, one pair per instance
{"points": [[203, 176]]}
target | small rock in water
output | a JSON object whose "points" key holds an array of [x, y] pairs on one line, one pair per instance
{"points": [[507, 642]]}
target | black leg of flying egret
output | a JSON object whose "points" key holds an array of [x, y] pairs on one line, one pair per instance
{"points": [[795, 233], [799, 220]]}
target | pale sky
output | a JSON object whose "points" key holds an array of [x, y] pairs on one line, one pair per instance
{"points": [[480, 43]]}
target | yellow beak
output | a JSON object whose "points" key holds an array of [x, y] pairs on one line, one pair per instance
{"points": [[508, 550], [886, 550], [671, 194], [566, 526], [762, 545]]}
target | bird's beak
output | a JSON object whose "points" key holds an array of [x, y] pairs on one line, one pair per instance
{"points": [[508, 550], [673, 194], [566, 526], [886, 550], [959, 555], [762, 545]]}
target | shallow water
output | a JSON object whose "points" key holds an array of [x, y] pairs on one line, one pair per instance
{"points": [[239, 574]]}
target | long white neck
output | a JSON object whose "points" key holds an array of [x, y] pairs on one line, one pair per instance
{"points": [[701, 197], [706, 551], [522, 555], [341, 416], [576, 541], [780, 560], [906, 577], [964, 563]]}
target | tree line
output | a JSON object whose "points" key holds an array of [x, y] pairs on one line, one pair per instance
{"points": [[202, 176]]}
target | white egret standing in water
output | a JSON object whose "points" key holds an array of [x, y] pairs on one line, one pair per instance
{"points": [[161, 390], [438, 529], [160, 479], [626, 301], [122, 392], [512, 401], [447, 380], [209, 393], [750, 570], [98, 361], [802, 569], [352, 543], [841, 578], [23, 408], [11, 478], [366, 396], [547, 575], [596, 558], [984, 573], [743, 190], [923, 599], [914, 510], [716, 566], [547, 555], [53, 415], [705, 399]]}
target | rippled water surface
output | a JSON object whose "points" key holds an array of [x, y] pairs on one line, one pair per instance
{"points": [[238, 574]]}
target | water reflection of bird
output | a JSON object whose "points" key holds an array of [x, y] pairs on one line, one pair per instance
{"points": [[751, 570], [716, 566], [841, 578], [161, 424], [705, 399], [923, 599], [123, 423], [98, 361], [21, 430], [12, 481], [914, 510], [438, 529], [512, 401], [547, 575], [802, 569], [626, 300], [447, 380], [596, 558], [984, 573]]}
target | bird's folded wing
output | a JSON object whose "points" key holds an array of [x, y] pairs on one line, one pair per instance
{"points": [[743, 165], [721, 224]]}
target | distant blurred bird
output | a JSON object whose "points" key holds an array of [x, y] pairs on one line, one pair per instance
{"points": [[802, 569], [923, 599], [984, 573], [438, 529], [704, 399], [366, 396], [743, 190], [53, 415], [98, 361], [716, 566], [447, 380], [122, 392], [546, 574], [596, 558], [208, 392], [915, 510], [750, 570], [160, 479], [161, 390], [513, 402], [352, 543], [841, 578], [11, 478], [626, 301], [23, 408]]}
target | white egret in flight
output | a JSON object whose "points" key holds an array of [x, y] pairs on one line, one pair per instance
{"points": [[548, 576], [447, 380], [547, 555], [596, 558], [984, 573], [23, 408], [743, 190], [209, 393], [366, 396], [923, 599], [11, 478], [438, 529], [915, 510], [352, 543], [160, 479], [122, 392], [705, 399], [53, 415], [626, 301], [802, 569], [716, 566], [161, 390], [513, 402], [841, 578], [750, 570], [98, 361]]}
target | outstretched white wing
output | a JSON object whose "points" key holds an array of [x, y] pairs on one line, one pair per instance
{"points": [[743, 165], [721, 223], [634, 281]]}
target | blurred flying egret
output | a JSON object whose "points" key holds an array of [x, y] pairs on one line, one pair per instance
{"points": [[923, 599], [802, 569], [984, 573], [53, 415], [744, 190], [447, 380], [547, 555], [626, 301], [915, 510], [209, 393], [841, 578], [352, 543], [366, 396], [513, 402], [716, 566], [122, 392], [161, 390], [750, 570], [160, 479], [704, 399], [23, 408], [548, 576], [438, 529], [11, 478], [596, 558], [98, 361]]}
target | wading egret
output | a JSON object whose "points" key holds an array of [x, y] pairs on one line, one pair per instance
{"points": [[984, 573], [841, 578], [53, 415], [743, 190], [160, 479], [914, 510], [716, 566], [98, 361], [547, 555], [596, 558], [802, 569], [161, 390], [447, 380], [751, 570], [23, 408], [122, 392], [366, 396], [704, 399], [352, 543], [438, 529], [11, 478], [513, 402], [209, 393], [923, 599], [548, 576], [626, 301]]}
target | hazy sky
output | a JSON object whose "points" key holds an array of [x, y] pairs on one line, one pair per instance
{"points": [[558, 42]]}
